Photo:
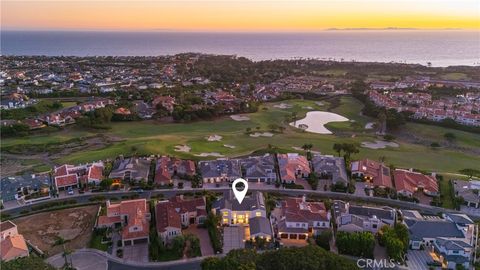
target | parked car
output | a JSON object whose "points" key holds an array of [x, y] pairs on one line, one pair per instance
{"points": [[70, 191]]}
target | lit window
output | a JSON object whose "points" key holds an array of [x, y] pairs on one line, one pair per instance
{"points": [[225, 214], [258, 214]]}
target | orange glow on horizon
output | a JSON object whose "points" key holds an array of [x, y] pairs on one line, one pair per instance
{"points": [[231, 15]]}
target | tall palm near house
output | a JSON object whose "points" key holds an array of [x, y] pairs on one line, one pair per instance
{"points": [[61, 241], [307, 147], [338, 148]]}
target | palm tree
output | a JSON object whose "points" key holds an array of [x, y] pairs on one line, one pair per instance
{"points": [[338, 148], [382, 122], [307, 147], [61, 241], [294, 118]]}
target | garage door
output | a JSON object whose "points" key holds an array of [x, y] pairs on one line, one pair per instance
{"points": [[284, 235], [302, 236], [140, 241], [293, 236]]}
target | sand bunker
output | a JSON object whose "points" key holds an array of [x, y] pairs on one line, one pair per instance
{"points": [[308, 107], [369, 125], [315, 121], [379, 144], [283, 106], [182, 148], [264, 134], [214, 138], [240, 117], [319, 103], [211, 154], [229, 146]]}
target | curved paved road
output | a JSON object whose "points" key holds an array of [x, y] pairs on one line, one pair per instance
{"points": [[84, 198]]}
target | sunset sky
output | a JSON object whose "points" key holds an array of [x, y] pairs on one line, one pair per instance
{"points": [[235, 15]]}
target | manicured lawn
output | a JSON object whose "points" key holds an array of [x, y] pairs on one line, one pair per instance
{"points": [[68, 104], [435, 133], [96, 242], [55, 137], [350, 108], [150, 137]]}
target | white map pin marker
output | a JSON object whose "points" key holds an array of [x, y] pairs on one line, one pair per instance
{"points": [[240, 194]]}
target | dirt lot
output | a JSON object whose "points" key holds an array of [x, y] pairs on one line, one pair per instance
{"points": [[74, 224]]}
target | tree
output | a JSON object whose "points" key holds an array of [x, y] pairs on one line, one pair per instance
{"points": [[394, 248], [106, 183], [323, 239], [177, 245], [382, 122], [60, 241], [211, 263], [292, 258], [313, 180], [338, 148], [349, 149], [470, 172], [307, 147], [356, 244]]}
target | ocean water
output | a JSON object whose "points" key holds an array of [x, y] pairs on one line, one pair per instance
{"points": [[440, 48]]}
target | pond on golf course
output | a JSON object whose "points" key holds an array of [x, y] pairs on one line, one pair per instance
{"points": [[314, 121]]}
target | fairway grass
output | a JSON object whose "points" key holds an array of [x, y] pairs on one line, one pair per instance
{"points": [[151, 137]]}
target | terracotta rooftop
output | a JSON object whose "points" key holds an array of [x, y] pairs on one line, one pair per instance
{"points": [[379, 173], [13, 247], [410, 181]]}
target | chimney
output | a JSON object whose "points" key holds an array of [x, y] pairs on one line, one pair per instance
{"points": [[304, 198], [411, 169], [108, 203]]}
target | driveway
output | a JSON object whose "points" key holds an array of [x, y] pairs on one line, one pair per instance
{"points": [[470, 210], [136, 253], [202, 234], [233, 238], [417, 259], [360, 189], [82, 260]]}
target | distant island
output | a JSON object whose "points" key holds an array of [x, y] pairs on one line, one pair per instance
{"points": [[384, 28]]}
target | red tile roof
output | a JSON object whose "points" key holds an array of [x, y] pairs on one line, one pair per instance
{"points": [[13, 247], [67, 180], [95, 172], [108, 221], [409, 181], [168, 212], [136, 212], [297, 210], [379, 173], [162, 176], [166, 216]]}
